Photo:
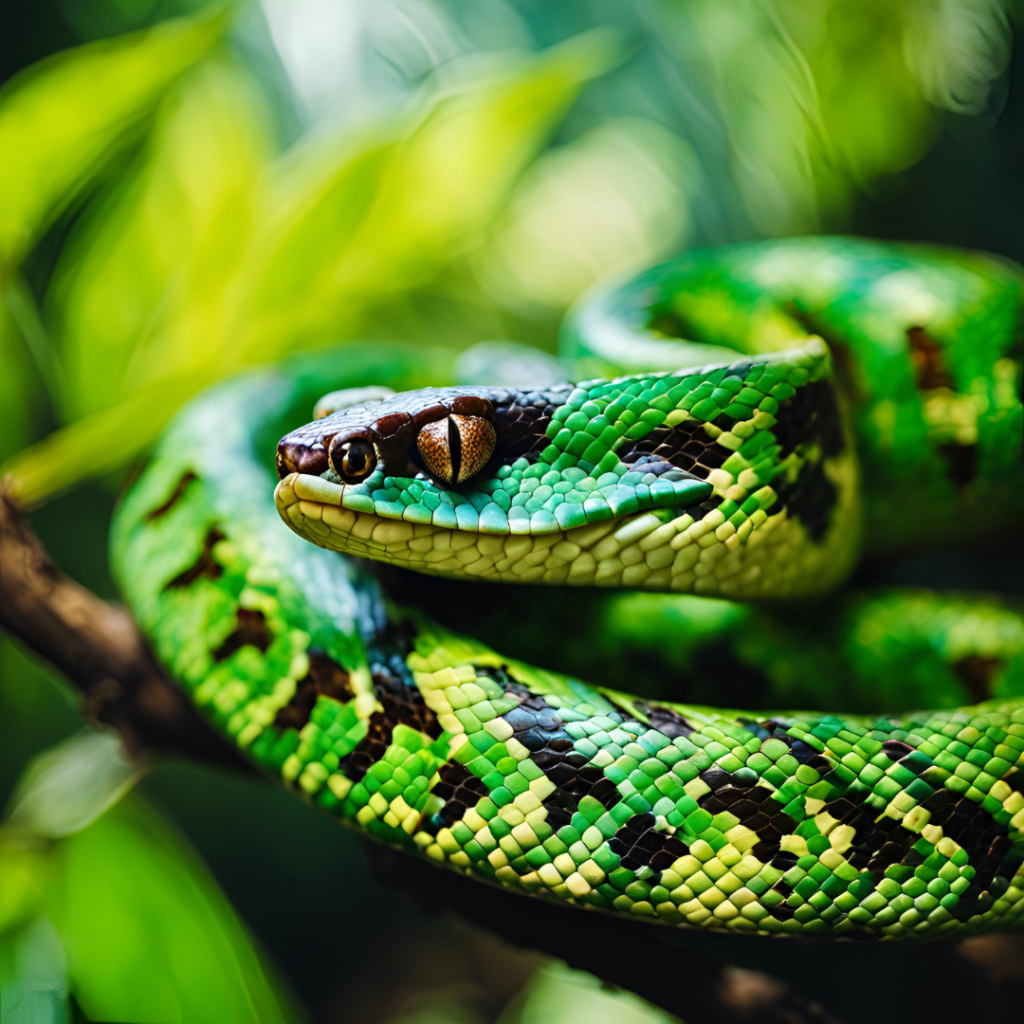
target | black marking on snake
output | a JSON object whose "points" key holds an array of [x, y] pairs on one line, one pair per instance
{"points": [[521, 423], [686, 446], [811, 497], [810, 416], [176, 495], [460, 790], [401, 704], [754, 807], [928, 358], [639, 844], [667, 721], [881, 842], [250, 630], [205, 566], [325, 676], [540, 729]]}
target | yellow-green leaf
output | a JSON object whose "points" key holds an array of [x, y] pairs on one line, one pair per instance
{"points": [[70, 785], [99, 443], [141, 285], [62, 118], [397, 211], [147, 932]]}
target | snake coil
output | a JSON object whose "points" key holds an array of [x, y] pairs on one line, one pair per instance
{"points": [[832, 394]]}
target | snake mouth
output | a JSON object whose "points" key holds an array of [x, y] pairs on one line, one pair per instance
{"points": [[689, 549], [340, 517]]}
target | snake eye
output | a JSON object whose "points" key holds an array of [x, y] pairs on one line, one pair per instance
{"points": [[353, 458], [456, 448]]}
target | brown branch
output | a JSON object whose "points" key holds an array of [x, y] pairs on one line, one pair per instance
{"points": [[98, 647], [101, 651]]}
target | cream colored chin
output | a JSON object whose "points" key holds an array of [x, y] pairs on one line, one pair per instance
{"points": [[773, 557]]}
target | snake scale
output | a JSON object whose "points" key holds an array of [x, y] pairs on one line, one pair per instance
{"points": [[751, 420]]}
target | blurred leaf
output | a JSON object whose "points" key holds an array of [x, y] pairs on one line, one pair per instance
{"points": [[958, 49], [819, 99], [97, 444], [148, 934], [24, 870], [615, 198], [19, 394], [33, 976], [558, 993], [140, 286], [63, 117], [69, 786], [345, 226], [392, 214]]}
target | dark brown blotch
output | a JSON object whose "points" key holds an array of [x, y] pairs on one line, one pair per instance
{"points": [[325, 676], [204, 567], [250, 630], [176, 495], [929, 361], [296, 457]]}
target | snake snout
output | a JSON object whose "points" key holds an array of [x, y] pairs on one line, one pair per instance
{"points": [[301, 457]]}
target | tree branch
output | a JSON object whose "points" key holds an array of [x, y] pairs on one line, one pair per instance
{"points": [[98, 647]]}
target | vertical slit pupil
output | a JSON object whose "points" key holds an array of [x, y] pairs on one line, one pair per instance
{"points": [[454, 448]]}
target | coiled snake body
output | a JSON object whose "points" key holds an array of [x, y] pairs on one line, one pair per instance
{"points": [[837, 392]]}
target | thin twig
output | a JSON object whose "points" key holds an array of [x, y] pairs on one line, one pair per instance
{"points": [[98, 647]]}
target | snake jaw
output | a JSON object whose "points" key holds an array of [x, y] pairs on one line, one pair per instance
{"points": [[658, 549]]}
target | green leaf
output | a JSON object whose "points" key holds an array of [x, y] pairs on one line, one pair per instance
{"points": [[613, 200], [99, 443], [556, 992], [141, 286], [19, 392], [63, 118], [345, 224], [68, 787], [33, 976], [391, 215], [148, 934], [816, 100]]}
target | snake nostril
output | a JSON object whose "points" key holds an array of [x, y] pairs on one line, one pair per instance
{"points": [[295, 457]]}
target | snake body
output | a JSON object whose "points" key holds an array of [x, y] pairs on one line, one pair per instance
{"points": [[834, 392]]}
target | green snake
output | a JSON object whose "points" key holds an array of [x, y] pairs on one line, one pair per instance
{"points": [[750, 420]]}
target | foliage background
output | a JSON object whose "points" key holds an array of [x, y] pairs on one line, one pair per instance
{"points": [[227, 186]]}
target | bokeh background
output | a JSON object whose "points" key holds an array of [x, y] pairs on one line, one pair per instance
{"points": [[187, 190]]}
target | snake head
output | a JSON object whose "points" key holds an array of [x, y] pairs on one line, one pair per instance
{"points": [[658, 481]]}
